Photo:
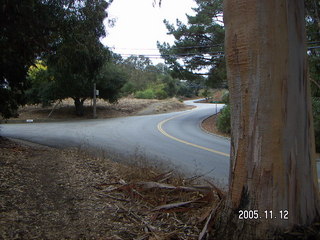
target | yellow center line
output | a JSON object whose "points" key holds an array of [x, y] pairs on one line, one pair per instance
{"points": [[160, 128]]}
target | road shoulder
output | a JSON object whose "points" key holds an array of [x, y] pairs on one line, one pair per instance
{"points": [[48, 193]]}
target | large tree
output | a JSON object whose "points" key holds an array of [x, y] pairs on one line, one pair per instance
{"points": [[27, 29], [272, 148], [65, 32], [199, 44], [80, 56]]}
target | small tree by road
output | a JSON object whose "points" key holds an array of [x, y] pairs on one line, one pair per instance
{"points": [[81, 60]]}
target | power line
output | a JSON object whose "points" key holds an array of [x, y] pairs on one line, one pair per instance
{"points": [[314, 47], [194, 46], [207, 55], [189, 47], [316, 42], [200, 46], [219, 53]]}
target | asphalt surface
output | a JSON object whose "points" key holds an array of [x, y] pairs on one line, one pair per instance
{"points": [[173, 139], [140, 135]]}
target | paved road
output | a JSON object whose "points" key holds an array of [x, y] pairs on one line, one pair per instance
{"points": [[168, 142], [173, 139]]}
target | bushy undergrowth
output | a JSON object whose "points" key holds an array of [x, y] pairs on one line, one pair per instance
{"points": [[223, 120], [152, 92], [225, 97], [145, 94]]}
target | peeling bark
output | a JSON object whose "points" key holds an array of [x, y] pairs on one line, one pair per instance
{"points": [[272, 149]]}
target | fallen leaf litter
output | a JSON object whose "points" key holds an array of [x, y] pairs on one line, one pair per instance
{"points": [[58, 194]]}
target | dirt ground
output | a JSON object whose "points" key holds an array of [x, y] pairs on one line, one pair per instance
{"points": [[48, 193], [124, 107], [209, 125]]}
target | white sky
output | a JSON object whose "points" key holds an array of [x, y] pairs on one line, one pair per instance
{"points": [[139, 25]]}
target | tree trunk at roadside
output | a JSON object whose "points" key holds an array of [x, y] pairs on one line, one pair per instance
{"points": [[272, 149], [78, 103]]}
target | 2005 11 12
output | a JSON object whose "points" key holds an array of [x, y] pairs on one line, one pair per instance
{"points": [[267, 214]]}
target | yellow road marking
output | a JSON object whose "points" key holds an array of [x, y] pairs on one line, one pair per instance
{"points": [[160, 125]]}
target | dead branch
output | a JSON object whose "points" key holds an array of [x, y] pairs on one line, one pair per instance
{"points": [[317, 84], [171, 205], [151, 185], [49, 115], [221, 194], [112, 197], [209, 221], [162, 177]]}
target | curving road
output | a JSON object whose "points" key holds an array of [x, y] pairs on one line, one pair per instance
{"points": [[173, 138]]}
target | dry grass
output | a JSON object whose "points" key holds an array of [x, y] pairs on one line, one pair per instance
{"points": [[66, 194], [124, 107]]}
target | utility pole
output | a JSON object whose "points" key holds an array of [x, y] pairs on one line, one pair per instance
{"points": [[94, 101]]}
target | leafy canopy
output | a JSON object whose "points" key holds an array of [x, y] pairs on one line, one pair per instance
{"points": [[65, 32], [27, 29], [199, 43]]}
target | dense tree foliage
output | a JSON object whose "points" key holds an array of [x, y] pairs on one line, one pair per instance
{"points": [[79, 54], [199, 44], [27, 28], [140, 72], [65, 33], [145, 80], [41, 84], [312, 8]]}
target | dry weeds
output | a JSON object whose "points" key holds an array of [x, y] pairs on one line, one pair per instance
{"points": [[124, 107], [66, 194]]}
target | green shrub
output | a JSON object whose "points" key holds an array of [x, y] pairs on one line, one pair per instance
{"points": [[41, 85], [184, 90], [161, 94], [169, 86], [153, 91], [205, 93], [145, 94], [316, 121], [223, 120], [127, 88], [224, 125], [225, 97]]}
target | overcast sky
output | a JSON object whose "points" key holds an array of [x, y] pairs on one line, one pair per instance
{"points": [[139, 25]]}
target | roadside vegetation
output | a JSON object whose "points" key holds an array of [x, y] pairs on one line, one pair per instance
{"points": [[52, 59], [137, 75], [126, 106], [48, 193]]}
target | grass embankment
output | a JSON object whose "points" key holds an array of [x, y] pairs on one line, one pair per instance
{"points": [[124, 107]]}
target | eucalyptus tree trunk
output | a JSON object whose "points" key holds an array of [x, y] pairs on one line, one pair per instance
{"points": [[272, 149]]}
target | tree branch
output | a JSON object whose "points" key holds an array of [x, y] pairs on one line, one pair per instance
{"points": [[317, 84]]}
